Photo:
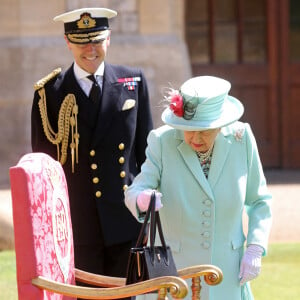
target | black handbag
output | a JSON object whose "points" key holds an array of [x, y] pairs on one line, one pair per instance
{"points": [[147, 262]]}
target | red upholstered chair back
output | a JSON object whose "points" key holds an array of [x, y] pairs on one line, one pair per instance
{"points": [[42, 225]]}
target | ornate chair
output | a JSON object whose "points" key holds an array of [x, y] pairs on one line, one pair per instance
{"points": [[44, 243]]}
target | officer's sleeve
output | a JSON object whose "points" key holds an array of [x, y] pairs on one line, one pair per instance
{"points": [[144, 121]]}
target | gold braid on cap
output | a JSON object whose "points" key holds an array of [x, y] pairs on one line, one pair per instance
{"points": [[67, 118], [87, 37]]}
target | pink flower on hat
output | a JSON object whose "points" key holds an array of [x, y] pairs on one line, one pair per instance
{"points": [[176, 104]]}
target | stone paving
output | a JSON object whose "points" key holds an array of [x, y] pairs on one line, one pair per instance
{"points": [[284, 186]]}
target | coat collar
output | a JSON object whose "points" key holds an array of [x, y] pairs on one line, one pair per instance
{"points": [[220, 153], [110, 103]]}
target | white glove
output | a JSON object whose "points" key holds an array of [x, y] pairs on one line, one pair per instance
{"points": [[144, 198], [251, 263]]}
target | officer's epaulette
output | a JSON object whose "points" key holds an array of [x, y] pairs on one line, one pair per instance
{"points": [[39, 84]]}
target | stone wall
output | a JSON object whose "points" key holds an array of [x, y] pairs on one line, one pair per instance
{"points": [[147, 34]]}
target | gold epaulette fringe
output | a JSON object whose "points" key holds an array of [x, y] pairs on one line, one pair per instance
{"points": [[39, 84], [67, 119]]}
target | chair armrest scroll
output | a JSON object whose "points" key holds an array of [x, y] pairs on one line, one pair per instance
{"points": [[177, 286], [98, 280], [212, 274]]}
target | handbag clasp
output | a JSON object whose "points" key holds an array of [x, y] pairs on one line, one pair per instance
{"points": [[158, 256]]}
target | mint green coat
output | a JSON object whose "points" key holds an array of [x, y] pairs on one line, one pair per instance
{"points": [[202, 218]]}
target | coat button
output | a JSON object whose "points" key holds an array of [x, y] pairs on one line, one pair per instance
{"points": [[121, 146], [98, 194], [94, 166], [205, 245], [206, 234], [125, 187], [206, 213], [122, 174], [96, 180], [206, 224], [207, 202], [92, 153], [121, 160]]}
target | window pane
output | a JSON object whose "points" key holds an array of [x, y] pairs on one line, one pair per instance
{"points": [[254, 9], [196, 11], [225, 11], [197, 39], [254, 32], [226, 44], [197, 31], [295, 31], [254, 42], [225, 31], [238, 34]]}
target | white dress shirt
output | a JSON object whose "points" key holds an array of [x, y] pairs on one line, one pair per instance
{"points": [[84, 82]]}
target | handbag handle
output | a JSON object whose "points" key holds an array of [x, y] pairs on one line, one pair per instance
{"points": [[144, 229], [154, 222], [160, 232]]}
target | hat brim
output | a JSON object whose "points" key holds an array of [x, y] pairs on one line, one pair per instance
{"points": [[90, 37], [233, 109]]}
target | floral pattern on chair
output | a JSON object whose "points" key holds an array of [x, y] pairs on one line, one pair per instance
{"points": [[42, 224]]}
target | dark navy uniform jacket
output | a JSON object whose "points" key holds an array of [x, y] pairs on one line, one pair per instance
{"points": [[111, 152]]}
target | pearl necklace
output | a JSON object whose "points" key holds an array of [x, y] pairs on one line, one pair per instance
{"points": [[204, 156]]}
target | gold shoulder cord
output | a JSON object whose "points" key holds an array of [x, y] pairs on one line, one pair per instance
{"points": [[67, 118]]}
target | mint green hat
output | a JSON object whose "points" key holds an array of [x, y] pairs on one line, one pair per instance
{"points": [[202, 103]]}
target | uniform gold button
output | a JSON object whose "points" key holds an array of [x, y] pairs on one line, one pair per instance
{"points": [[94, 166], [96, 180], [125, 187], [121, 160], [122, 174], [92, 153], [121, 146], [98, 194]]}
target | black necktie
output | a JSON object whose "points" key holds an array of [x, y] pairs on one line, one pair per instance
{"points": [[95, 92]]}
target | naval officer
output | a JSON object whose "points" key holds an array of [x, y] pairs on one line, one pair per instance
{"points": [[94, 118]]}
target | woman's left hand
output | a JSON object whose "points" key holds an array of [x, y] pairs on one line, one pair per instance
{"points": [[144, 198], [251, 263]]}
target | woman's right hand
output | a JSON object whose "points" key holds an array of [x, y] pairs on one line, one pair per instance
{"points": [[144, 198]]}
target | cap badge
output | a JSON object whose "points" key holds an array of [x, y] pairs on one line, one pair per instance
{"points": [[86, 21]]}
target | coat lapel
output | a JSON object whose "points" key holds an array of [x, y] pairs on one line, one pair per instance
{"points": [[71, 86], [220, 153], [191, 160], [111, 91]]}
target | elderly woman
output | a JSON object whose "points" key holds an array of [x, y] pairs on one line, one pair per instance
{"points": [[206, 167]]}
